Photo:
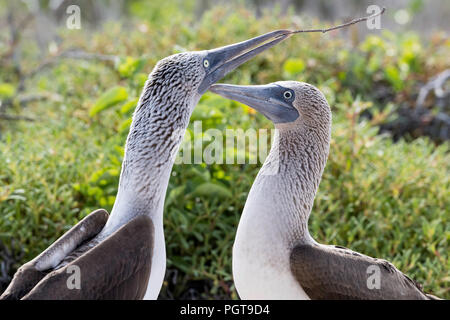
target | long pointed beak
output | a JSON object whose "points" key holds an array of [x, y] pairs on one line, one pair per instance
{"points": [[225, 59], [268, 99]]}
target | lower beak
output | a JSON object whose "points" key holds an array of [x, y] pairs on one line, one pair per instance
{"points": [[267, 99], [230, 57]]}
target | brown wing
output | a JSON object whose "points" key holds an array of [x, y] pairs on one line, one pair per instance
{"points": [[332, 272], [28, 275], [116, 268]]}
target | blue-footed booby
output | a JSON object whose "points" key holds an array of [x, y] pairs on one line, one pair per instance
{"points": [[274, 255], [123, 256]]}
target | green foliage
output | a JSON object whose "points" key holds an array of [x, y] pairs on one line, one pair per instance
{"points": [[129, 66], [294, 67], [109, 99], [7, 90], [381, 198]]}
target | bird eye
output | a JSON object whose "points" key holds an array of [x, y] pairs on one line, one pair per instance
{"points": [[287, 94], [206, 63]]}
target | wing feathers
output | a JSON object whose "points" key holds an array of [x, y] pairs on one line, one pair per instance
{"points": [[117, 268], [28, 275], [87, 228], [331, 272]]}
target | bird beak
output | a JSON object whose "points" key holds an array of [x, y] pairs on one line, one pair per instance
{"points": [[225, 59], [267, 99]]}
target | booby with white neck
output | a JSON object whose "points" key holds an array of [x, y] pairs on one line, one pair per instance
{"points": [[274, 256], [123, 256]]}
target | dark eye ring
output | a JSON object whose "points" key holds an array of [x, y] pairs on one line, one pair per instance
{"points": [[287, 94]]}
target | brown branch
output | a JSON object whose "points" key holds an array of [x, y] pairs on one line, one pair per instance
{"points": [[23, 100], [354, 21], [15, 33], [72, 54], [436, 84], [9, 117], [68, 54]]}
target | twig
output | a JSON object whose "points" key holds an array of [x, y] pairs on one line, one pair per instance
{"points": [[73, 54], [9, 117], [437, 84], [15, 33], [354, 21], [68, 54], [23, 100]]}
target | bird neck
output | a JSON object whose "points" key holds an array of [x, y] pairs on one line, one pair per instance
{"points": [[289, 179], [155, 135]]}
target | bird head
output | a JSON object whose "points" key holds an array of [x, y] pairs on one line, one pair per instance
{"points": [[196, 71], [286, 103]]}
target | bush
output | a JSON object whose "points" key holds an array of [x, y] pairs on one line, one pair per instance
{"points": [[384, 199]]}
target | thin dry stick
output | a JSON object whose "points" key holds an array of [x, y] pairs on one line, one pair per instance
{"points": [[354, 21], [10, 117]]}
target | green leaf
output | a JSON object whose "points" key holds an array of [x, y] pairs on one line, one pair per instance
{"points": [[174, 194], [393, 76], [7, 90], [129, 105], [109, 99], [211, 189], [416, 6], [294, 66], [204, 112], [201, 173], [129, 66], [125, 125], [139, 79]]}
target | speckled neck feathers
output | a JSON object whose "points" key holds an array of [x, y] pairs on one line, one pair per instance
{"points": [[157, 129], [275, 216], [300, 150]]}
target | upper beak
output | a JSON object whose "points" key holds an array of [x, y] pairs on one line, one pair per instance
{"points": [[228, 58], [267, 99]]}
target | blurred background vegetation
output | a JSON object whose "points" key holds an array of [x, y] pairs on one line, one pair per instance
{"points": [[66, 98]]}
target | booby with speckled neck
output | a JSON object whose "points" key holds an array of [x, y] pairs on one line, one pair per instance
{"points": [[123, 256], [274, 255]]}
